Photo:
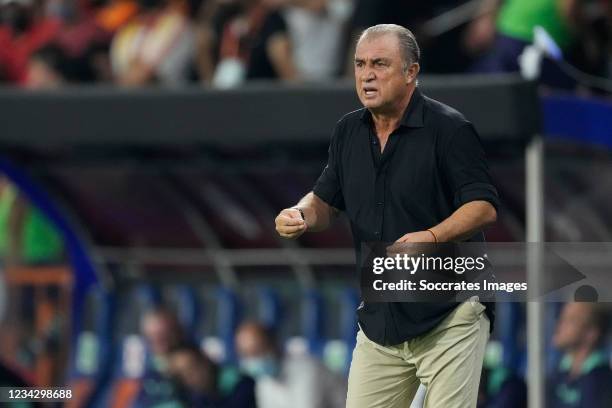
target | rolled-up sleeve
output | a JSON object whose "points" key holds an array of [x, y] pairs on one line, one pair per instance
{"points": [[328, 186], [466, 168]]}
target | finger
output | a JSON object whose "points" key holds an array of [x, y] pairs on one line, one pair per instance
{"points": [[401, 247], [290, 226], [292, 213], [284, 220], [394, 248], [293, 235], [290, 229]]}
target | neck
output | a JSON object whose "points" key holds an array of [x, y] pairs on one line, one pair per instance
{"points": [[579, 356], [388, 120]]}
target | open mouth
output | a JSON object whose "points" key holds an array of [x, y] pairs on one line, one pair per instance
{"points": [[369, 91]]}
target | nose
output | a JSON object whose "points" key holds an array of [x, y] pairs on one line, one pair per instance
{"points": [[368, 75]]}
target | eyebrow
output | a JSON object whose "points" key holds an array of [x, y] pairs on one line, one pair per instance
{"points": [[374, 61]]}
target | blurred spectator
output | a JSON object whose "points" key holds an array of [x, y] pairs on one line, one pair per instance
{"points": [[286, 381], [162, 332], [316, 30], [254, 44], [584, 378], [24, 29], [212, 17], [203, 384], [83, 41], [47, 68], [504, 29], [156, 47]]}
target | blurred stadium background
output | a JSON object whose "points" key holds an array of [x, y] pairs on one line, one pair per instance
{"points": [[148, 145]]}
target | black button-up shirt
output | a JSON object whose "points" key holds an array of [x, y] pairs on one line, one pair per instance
{"points": [[432, 164]]}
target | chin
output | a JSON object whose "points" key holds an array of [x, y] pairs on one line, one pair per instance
{"points": [[371, 104]]}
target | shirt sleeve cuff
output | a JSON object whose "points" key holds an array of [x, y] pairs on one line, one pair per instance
{"points": [[476, 191], [332, 197]]}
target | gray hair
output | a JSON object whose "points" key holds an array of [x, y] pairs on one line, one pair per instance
{"points": [[409, 47]]}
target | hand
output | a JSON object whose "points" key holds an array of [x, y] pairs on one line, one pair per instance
{"points": [[412, 244], [289, 223], [417, 237]]}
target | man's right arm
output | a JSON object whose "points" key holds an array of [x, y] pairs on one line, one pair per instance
{"points": [[321, 205], [318, 215]]}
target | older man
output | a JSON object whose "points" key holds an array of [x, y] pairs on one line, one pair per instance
{"points": [[583, 377], [407, 169]]}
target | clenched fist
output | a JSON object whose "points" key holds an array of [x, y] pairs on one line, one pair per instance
{"points": [[289, 223]]}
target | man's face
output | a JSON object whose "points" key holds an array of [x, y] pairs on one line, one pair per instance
{"points": [[160, 332], [250, 343], [380, 75], [573, 326], [192, 371], [257, 357]]}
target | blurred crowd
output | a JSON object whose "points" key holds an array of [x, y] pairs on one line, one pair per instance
{"points": [[582, 373], [176, 371], [47, 43], [268, 377], [179, 373]]}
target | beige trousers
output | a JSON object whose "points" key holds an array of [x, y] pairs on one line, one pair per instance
{"points": [[447, 360]]}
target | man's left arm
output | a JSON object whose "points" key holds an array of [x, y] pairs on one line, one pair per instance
{"points": [[461, 225], [466, 172], [466, 221]]}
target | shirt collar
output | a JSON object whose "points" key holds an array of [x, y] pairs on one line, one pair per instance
{"points": [[596, 359], [413, 115]]}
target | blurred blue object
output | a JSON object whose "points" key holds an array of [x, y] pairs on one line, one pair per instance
{"points": [[313, 323], [270, 308], [229, 315], [510, 322], [92, 364], [189, 310], [348, 316], [546, 43], [149, 295], [583, 120], [348, 319]]}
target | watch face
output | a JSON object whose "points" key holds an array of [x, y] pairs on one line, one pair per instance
{"points": [[301, 213]]}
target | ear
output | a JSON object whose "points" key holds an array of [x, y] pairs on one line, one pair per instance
{"points": [[412, 72]]}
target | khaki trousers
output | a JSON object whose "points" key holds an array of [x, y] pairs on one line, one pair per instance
{"points": [[447, 360]]}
